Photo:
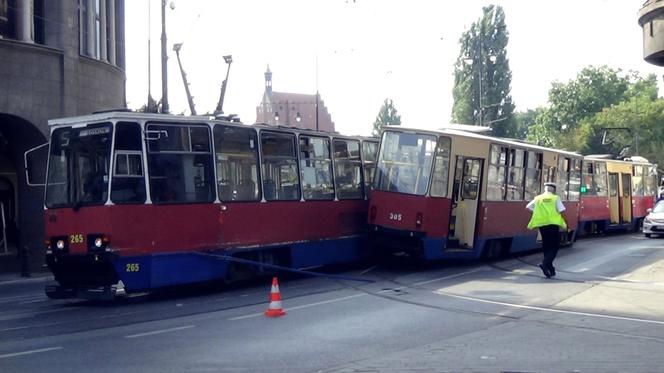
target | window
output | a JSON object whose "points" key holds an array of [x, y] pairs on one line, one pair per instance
{"points": [[533, 175], [562, 178], [650, 180], [128, 184], [588, 179], [574, 179], [404, 163], [348, 169], [180, 163], [316, 168], [497, 172], [236, 152], [515, 176], [279, 167], [369, 155], [600, 179], [637, 180], [441, 168], [79, 164], [471, 178]]}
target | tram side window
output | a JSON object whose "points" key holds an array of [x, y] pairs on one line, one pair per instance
{"points": [[575, 179], [369, 156], [497, 172], [316, 168], [128, 184], [600, 179], [279, 167], [515, 175], [441, 168], [589, 179], [562, 178], [650, 180], [237, 163], [348, 169], [533, 175], [180, 164], [637, 180]]}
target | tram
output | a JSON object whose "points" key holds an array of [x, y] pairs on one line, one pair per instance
{"points": [[616, 194], [137, 201], [452, 194]]}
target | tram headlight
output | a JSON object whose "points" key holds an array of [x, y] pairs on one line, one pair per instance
{"points": [[60, 244], [98, 242]]}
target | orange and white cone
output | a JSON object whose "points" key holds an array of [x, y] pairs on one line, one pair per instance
{"points": [[274, 308]]}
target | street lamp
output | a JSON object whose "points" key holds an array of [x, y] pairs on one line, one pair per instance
{"points": [[276, 117], [298, 117]]}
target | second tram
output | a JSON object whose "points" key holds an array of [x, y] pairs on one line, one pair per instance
{"points": [[452, 194]]}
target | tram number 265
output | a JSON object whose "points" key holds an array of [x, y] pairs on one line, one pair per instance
{"points": [[132, 267], [395, 216]]}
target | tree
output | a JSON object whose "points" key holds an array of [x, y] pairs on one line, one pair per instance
{"points": [[594, 89], [523, 120], [482, 76], [387, 116]]}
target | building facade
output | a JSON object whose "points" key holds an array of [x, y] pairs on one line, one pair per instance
{"points": [[59, 58], [292, 109]]}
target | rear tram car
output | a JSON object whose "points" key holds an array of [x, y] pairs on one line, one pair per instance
{"points": [[142, 201], [616, 194], [451, 194]]}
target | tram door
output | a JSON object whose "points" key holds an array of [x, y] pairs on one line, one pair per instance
{"points": [[466, 193], [626, 198], [614, 198]]}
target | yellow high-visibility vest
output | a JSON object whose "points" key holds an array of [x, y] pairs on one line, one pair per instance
{"points": [[546, 213]]}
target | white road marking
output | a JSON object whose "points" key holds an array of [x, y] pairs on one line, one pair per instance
{"points": [[302, 306], [452, 276], [160, 331], [361, 294], [545, 309], [31, 352], [599, 260]]}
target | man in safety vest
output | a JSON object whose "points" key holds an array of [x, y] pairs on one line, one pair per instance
{"points": [[547, 211]]}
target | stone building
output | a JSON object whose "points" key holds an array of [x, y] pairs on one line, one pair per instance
{"points": [[292, 109], [59, 58], [651, 19]]}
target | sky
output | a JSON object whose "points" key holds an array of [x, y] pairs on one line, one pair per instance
{"points": [[358, 53]]}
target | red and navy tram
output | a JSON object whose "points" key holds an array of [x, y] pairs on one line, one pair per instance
{"points": [[452, 194], [142, 201], [616, 194]]}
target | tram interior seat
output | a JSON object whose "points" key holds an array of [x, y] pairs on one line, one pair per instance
{"points": [[246, 190], [269, 189]]}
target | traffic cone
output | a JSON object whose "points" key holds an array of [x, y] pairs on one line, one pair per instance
{"points": [[274, 309]]}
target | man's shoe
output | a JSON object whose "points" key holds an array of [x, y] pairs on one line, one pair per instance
{"points": [[552, 271], [545, 271]]}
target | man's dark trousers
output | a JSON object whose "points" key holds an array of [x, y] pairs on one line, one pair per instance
{"points": [[550, 241]]}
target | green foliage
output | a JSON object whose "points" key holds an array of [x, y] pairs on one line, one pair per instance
{"points": [[643, 118], [387, 116], [483, 62], [523, 120], [567, 122]]}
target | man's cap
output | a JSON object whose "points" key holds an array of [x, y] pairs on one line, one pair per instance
{"points": [[550, 184]]}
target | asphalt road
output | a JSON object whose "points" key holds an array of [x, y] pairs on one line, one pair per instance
{"points": [[603, 312]]}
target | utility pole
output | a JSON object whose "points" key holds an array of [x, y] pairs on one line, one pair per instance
{"points": [[164, 61]]}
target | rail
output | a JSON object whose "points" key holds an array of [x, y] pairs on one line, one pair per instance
{"points": [[4, 229]]}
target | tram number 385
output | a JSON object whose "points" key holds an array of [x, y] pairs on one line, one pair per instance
{"points": [[395, 216]]}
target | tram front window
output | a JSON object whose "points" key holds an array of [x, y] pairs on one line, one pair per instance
{"points": [[404, 162], [78, 171]]}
